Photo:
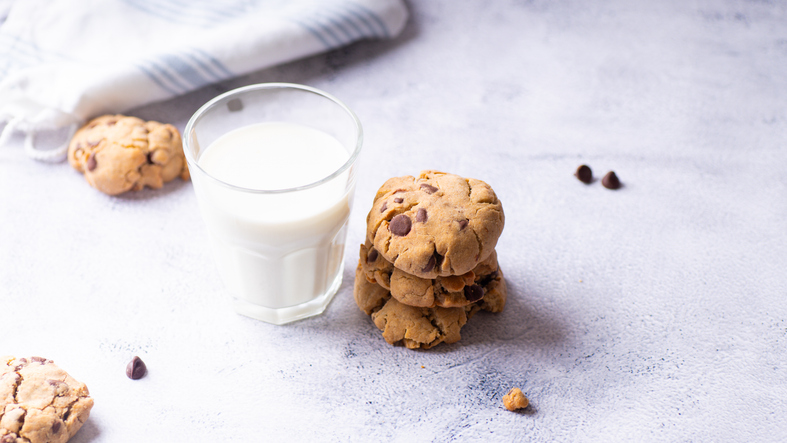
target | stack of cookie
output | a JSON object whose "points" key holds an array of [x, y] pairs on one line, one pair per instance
{"points": [[429, 261]]}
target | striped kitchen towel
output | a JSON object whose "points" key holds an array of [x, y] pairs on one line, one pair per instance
{"points": [[63, 61]]}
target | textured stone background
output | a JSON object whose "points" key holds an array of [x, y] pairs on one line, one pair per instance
{"points": [[656, 312]]}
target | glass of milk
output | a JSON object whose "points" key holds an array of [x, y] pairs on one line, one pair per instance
{"points": [[273, 167]]}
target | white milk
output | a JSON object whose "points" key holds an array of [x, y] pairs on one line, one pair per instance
{"points": [[276, 250]]}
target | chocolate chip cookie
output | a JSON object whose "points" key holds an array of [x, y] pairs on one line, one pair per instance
{"points": [[118, 153], [454, 291], [438, 224], [39, 402], [412, 326], [418, 327]]}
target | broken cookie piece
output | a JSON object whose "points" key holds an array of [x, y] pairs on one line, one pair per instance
{"points": [[39, 402], [515, 400]]}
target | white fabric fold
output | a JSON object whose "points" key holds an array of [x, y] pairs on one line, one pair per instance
{"points": [[63, 62]]}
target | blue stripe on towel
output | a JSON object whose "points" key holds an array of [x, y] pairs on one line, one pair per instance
{"points": [[184, 70], [156, 79], [317, 32], [204, 67], [216, 63], [165, 76], [226, 10], [348, 18], [366, 23], [333, 23], [172, 13], [374, 17]]}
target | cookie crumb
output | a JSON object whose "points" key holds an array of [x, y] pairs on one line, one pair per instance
{"points": [[515, 399]]}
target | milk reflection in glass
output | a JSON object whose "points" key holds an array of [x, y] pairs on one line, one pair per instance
{"points": [[275, 250]]}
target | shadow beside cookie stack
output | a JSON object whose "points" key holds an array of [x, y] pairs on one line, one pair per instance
{"points": [[429, 261]]}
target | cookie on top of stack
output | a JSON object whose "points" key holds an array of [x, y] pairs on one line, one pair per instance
{"points": [[429, 261]]}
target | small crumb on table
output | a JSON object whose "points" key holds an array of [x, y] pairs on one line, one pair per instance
{"points": [[515, 399]]}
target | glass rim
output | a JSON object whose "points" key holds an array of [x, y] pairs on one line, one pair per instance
{"points": [[263, 86]]}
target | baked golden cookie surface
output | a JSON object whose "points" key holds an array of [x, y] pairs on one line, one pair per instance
{"points": [[418, 327], [453, 291], [39, 402], [117, 153], [437, 224]]}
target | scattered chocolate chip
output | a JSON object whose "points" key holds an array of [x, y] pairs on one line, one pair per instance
{"points": [[384, 207], [430, 264], [56, 427], [463, 224], [399, 190], [54, 382], [95, 143], [429, 189], [611, 181], [8, 438], [136, 369], [111, 123], [584, 174], [398, 200], [421, 216], [38, 359], [400, 225], [372, 257], [91, 162], [474, 293], [23, 360]]}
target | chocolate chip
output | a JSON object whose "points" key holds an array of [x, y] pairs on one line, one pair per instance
{"points": [[23, 360], [384, 207], [38, 359], [474, 293], [91, 162], [438, 259], [400, 225], [398, 200], [136, 369], [463, 224], [150, 157], [372, 257], [8, 438], [56, 427], [421, 216], [610, 181], [430, 264], [54, 382], [584, 174], [488, 278], [95, 143], [111, 123], [429, 189]]}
